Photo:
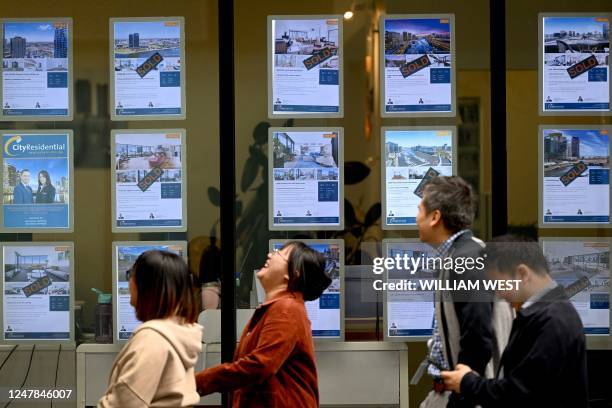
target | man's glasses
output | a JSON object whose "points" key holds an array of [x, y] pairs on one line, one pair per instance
{"points": [[128, 274]]}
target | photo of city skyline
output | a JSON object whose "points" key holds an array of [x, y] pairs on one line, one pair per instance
{"points": [[563, 148], [57, 169], [141, 39], [36, 40], [418, 149], [304, 37], [417, 36], [576, 35], [127, 255]]}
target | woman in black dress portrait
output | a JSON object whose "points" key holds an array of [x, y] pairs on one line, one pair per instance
{"points": [[46, 192]]}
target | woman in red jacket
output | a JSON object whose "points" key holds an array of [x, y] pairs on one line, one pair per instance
{"points": [[274, 364]]}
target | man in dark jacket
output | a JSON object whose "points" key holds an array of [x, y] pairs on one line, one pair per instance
{"points": [[22, 194], [463, 326], [544, 363]]}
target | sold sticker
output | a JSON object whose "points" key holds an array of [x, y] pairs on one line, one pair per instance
{"points": [[36, 286], [577, 287], [573, 173], [150, 178], [583, 66], [429, 175], [149, 64], [415, 66], [318, 57]]}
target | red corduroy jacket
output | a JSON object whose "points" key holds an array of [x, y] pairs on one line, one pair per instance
{"points": [[274, 364]]}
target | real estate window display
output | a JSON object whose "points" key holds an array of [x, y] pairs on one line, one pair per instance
{"points": [[312, 123]]}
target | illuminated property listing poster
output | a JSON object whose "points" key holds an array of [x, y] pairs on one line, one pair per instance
{"points": [[124, 256], [148, 68], [575, 184], [408, 313], [582, 266], [149, 180], [412, 157], [36, 69], [417, 65], [326, 314], [37, 179], [305, 66], [306, 176], [575, 66], [37, 292]]}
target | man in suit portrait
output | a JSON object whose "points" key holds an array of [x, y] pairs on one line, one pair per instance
{"points": [[23, 192]]}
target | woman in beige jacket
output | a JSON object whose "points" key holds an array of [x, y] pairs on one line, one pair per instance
{"points": [[156, 367]]}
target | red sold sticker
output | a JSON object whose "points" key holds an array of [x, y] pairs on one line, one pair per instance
{"points": [[583, 66], [415, 66]]}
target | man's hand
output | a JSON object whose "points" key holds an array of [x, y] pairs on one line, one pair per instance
{"points": [[452, 379]]}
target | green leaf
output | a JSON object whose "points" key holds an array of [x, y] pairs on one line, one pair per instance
{"points": [[350, 218], [214, 196], [373, 215], [355, 172]]}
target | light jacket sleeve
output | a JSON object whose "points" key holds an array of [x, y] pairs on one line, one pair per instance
{"points": [[138, 376], [277, 340], [474, 310]]}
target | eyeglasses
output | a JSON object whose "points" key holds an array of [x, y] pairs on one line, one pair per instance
{"points": [[128, 274], [277, 251]]}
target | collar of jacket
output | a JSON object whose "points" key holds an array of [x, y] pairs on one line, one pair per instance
{"points": [[467, 235], [457, 241], [556, 294], [283, 295]]}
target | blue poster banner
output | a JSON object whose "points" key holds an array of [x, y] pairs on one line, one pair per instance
{"points": [[36, 181]]}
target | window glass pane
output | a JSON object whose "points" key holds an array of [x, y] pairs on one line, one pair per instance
{"points": [[92, 254], [361, 124]]}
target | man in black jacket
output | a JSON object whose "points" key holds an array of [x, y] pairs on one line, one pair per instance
{"points": [[544, 363]]}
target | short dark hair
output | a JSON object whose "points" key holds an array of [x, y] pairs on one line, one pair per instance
{"points": [[455, 200], [506, 252], [306, 269], [165, 287]]}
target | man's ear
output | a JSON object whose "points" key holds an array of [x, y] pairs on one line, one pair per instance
{"points": [[523, 272], [436, 218]]}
